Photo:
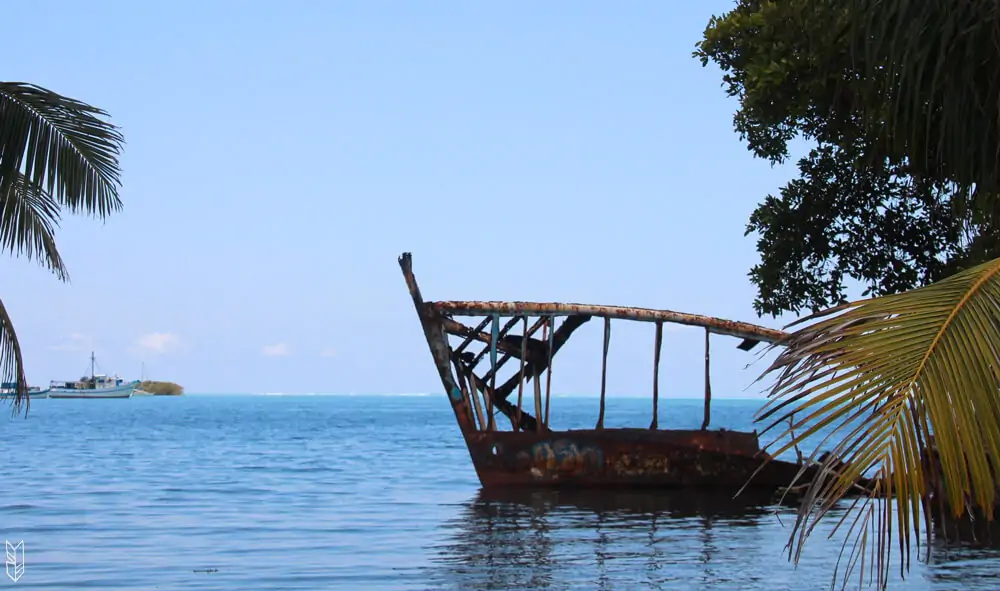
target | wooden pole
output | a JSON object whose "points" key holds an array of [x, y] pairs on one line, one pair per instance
{"points": [[494, 337], [548, 373], [520, 385], [466, 381], [656, 376], [538, 384], [604, 371], [538, 405], [708, 386]]}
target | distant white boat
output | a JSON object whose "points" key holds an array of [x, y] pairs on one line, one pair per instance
{"points": [[7, 390], [94, 386]]}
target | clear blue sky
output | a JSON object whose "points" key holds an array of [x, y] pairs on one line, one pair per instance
{"points": [[281, 155]]}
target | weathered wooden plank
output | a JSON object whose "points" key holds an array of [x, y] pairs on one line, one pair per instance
{"points": [[743, 330], [437, 342]]}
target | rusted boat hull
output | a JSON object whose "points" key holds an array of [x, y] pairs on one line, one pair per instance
{"points": [[533, 454], [626, 458]]}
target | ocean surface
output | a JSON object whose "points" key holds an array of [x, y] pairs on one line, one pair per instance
{"points": [[254, 492]]}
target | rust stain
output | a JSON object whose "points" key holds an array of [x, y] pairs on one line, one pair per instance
{"points": [[639, 464]]}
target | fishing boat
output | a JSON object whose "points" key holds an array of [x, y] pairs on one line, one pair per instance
{"points": [[528, 450], [93, 386]]}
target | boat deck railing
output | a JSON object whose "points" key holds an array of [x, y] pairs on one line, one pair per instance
{"points": [[533, 333]]}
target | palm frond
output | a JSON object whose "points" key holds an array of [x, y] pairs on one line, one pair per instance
{"points": [[63, 145], [11, 363], [28, 219], [937, 67], [910, 386]]}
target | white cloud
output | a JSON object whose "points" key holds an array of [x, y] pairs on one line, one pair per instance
{"points": [[157, 342], [328, 352], [278, 350], [74, 342]]}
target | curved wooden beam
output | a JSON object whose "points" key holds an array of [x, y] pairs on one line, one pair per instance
{"points": [[743, 330]]}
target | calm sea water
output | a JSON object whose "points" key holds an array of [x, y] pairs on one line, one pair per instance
{"points": [[369, 492]]}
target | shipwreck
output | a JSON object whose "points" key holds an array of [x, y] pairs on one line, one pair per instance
{"points": [[506, 425]]}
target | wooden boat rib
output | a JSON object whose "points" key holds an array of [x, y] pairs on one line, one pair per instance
{"points": [[530, 453]]}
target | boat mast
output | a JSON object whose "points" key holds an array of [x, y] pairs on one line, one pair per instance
{"points": [[92, 370]]}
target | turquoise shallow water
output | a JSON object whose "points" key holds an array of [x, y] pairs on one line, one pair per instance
{"points": [[368, 492]]}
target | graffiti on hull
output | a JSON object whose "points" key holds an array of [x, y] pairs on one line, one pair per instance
{"points": [[564, 456]]}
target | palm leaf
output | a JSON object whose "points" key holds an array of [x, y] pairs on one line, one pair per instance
{"points": [[11, 364], [937, 67], [909, 386], [55, 152], [63, 145], [28, 219]]}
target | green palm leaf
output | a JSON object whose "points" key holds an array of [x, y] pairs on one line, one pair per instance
{"points": [[934, 64], [27, 225], [11, 364], [55, 152], [895, 378], [63, 145]]}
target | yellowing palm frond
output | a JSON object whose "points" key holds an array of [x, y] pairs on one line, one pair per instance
{"points": [[892, 379]]}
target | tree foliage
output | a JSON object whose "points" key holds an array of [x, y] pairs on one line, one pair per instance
{"points": [[896, 193], [161, 388], [56, 153]]}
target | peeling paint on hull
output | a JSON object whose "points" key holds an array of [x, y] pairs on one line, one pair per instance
{"points": [[632, 458]]}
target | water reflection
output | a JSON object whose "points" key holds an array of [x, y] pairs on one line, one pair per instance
{"points": [[965, 553], [602, 540], [654, 540]]}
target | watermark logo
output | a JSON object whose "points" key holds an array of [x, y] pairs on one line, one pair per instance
{"points": [[15, 560]]}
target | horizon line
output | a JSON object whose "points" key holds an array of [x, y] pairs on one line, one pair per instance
{"points": [[760, 398]]}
